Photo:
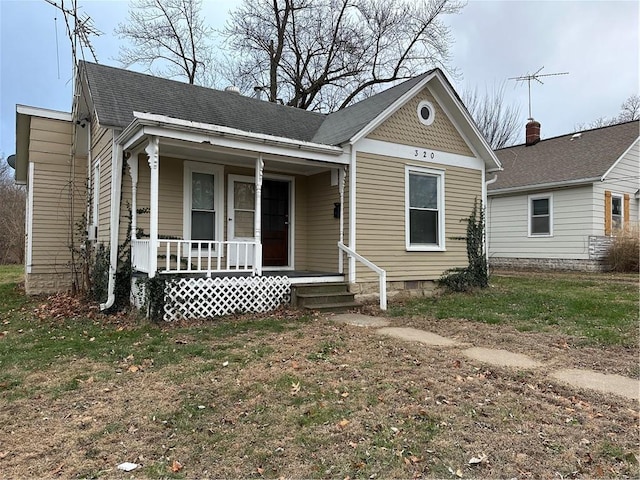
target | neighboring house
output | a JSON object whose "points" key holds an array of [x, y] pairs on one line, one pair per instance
{"points": [[559, 201], [235, 187]]}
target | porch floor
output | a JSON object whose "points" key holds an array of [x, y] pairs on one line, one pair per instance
{"points": [[295, 276]]}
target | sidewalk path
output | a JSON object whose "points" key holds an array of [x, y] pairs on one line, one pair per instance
{"points": [[616, 384]]}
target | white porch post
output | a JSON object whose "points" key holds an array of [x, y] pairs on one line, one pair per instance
{"points": [[341, 178], [257, 220], [152, 150], [132, 162]]}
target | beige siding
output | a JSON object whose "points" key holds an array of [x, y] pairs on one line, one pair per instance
{"points": [[170, 201], [404, 127], [323, 231], [59, 201], [101, 144], [316, 231], [380, 218]]}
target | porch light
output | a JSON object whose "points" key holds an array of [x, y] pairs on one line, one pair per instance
{"points": [[336, 210]]}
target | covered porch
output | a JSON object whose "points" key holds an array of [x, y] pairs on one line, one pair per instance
{"points": [[205, 208], [211, 204]]}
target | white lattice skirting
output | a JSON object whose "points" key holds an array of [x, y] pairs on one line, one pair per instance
{"points": [[211, 297]]}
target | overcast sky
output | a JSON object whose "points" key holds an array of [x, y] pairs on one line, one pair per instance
{"points": [[597, 42]]}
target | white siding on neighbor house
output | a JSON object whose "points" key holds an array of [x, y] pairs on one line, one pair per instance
{"points": [[508, 227], [623, 178]]}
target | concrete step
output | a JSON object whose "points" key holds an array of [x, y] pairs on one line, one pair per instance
{"points": [[310, 299], [328, 297], [311, 288]]}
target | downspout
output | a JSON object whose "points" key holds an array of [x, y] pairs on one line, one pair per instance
{"points": [[116, 186], [486, 218]]}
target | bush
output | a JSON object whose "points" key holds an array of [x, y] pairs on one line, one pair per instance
{"points": [[624, 253]]}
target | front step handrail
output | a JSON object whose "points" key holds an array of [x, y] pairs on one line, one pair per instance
{"points": [[382, 274]]}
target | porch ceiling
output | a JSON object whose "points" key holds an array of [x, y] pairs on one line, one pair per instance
{"points": [[243, 158]]}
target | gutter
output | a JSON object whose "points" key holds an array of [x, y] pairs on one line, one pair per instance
{"points": [[543, 186], [150, 119], [116, 187]]}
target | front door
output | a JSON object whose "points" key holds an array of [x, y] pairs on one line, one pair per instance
{"points": [[275, 223]]}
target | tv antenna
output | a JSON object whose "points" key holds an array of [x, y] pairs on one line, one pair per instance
{"points": [[535, 76], [82, 27]]}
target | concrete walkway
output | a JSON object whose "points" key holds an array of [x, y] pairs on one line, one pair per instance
{"points": [[615, 384]]}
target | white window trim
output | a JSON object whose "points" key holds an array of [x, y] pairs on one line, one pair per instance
{"points": [[218, 201], [530, 200], [432, 110], [621, 197], [440, 247]]}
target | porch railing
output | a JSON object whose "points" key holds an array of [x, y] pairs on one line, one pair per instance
{"points": [[195, 256], [382, 274]]}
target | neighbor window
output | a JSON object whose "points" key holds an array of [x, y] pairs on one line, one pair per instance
{"points": [[202, 202], [424, 215], [616, 212], [540, 218]]}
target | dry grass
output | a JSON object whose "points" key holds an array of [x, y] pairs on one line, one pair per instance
{"points": [[289, 396], [319, 401], [624, 253]]}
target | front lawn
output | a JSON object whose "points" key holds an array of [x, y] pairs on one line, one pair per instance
{"points": [[600, 309], [297, 396]]}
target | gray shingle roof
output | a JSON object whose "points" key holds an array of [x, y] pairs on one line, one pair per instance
{"points": [[117, 93], [340, 126], [561, 159]]}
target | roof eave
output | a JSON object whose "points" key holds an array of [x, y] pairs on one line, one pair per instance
{"points": [[543, 186], [390, 110], [130, 134], [619, 159]]}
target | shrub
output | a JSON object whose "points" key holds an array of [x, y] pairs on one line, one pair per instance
{"points": [[624, 253]]}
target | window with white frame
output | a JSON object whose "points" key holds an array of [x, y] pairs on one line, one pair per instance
{"points": [[541, 216], [424, 209], [202, 202], [617, 213]]}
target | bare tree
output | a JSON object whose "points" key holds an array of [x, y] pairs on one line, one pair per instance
{"points": [[500, 123], [169, 33], [12, 210], [326, 54], [630, 109]]}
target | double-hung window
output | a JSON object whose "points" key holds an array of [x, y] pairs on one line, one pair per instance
{"points": [[424, 209], [202, 202], [541, 216], [616, 212]]}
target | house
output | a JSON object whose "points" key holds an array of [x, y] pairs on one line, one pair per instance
{"points": [[559, 201], [235, 193]]}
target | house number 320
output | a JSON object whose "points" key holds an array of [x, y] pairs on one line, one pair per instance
{"points": [[424, 154]]}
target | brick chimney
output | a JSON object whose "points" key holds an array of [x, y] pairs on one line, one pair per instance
{"points": [[532, 132]]}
